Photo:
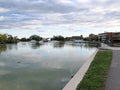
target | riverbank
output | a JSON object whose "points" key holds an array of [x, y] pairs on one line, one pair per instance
{"points": [[95, 77]]}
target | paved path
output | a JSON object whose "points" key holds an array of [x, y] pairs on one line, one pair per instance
{"points": [[105, 46], [113, 79]]}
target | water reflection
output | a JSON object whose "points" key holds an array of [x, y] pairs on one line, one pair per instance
{"points": [[77, 45], [35, 46], [12, 46], [82, 45], [58, 44], [27, 66], [3, 48]]}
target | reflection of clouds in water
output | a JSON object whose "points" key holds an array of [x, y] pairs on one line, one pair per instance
{"points": [[58, 64], [32, 57], [64, 79], [45, 65], [2, 64], [26, 56], [4, 72], [54, 65]]}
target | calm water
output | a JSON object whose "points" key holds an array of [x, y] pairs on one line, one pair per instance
{"points": [[27, 66]]}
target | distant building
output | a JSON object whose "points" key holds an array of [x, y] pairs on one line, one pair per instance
{"points": [[93, 37], [112, 38], [77, 37], [102, 37]]}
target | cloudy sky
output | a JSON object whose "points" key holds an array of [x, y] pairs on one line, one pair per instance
{"points": [[59, 17]]}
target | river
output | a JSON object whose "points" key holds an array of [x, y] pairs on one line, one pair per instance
{"points": [[27, 66]]}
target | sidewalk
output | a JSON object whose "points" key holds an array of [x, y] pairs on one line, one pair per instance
{"points": [[105, 46], [113, 78]]}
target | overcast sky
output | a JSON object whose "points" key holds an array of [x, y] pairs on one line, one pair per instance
{"points": [[59, 17]]}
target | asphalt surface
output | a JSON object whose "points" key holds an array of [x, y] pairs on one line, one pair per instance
{"points": [[113, 78]]}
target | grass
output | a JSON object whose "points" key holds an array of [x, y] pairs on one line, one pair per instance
{"points": [[95, 77]]}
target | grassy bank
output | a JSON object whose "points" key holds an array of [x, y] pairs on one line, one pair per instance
{"points": [[95, 77]]}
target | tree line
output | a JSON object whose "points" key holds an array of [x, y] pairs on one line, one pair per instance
{"points": [[6, 38], [32, 37]]}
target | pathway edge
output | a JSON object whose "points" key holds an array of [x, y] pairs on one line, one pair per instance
{"points": [[73, 83]]}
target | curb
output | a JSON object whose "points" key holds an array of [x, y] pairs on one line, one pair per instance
{"points": [[73, 83]]}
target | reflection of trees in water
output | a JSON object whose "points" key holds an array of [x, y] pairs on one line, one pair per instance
{"points": [[78, 45], [23, 43], [91, 45], [58, 44], [82, 45], [3, 48], [12, 46], [75, 44], [35, 46]]}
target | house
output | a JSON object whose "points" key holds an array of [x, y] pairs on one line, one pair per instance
{"points": [[111, 38], [116, 39], [77, 39]]}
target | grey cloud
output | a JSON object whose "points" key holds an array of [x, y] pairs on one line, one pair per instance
{"points": [[52, 12], [46, 6]]}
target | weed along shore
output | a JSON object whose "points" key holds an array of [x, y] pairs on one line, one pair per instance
{"points": [[72, 84], [95, 77]]}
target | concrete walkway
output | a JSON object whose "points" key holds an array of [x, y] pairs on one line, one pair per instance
{"points": [[105, 46], [113, 79], [72, 84]]}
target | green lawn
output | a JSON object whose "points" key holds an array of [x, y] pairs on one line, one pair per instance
{"points": [[95, 77]]}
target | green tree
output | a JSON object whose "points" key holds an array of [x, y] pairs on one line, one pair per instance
{"points": [[81, 36], [3, 38], [10, 39], [58, 38], [23, 39], [35, 37], [15, 39], [86, 38]]}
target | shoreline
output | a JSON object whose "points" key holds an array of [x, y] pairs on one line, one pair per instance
{"points": [[73, 83]]}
